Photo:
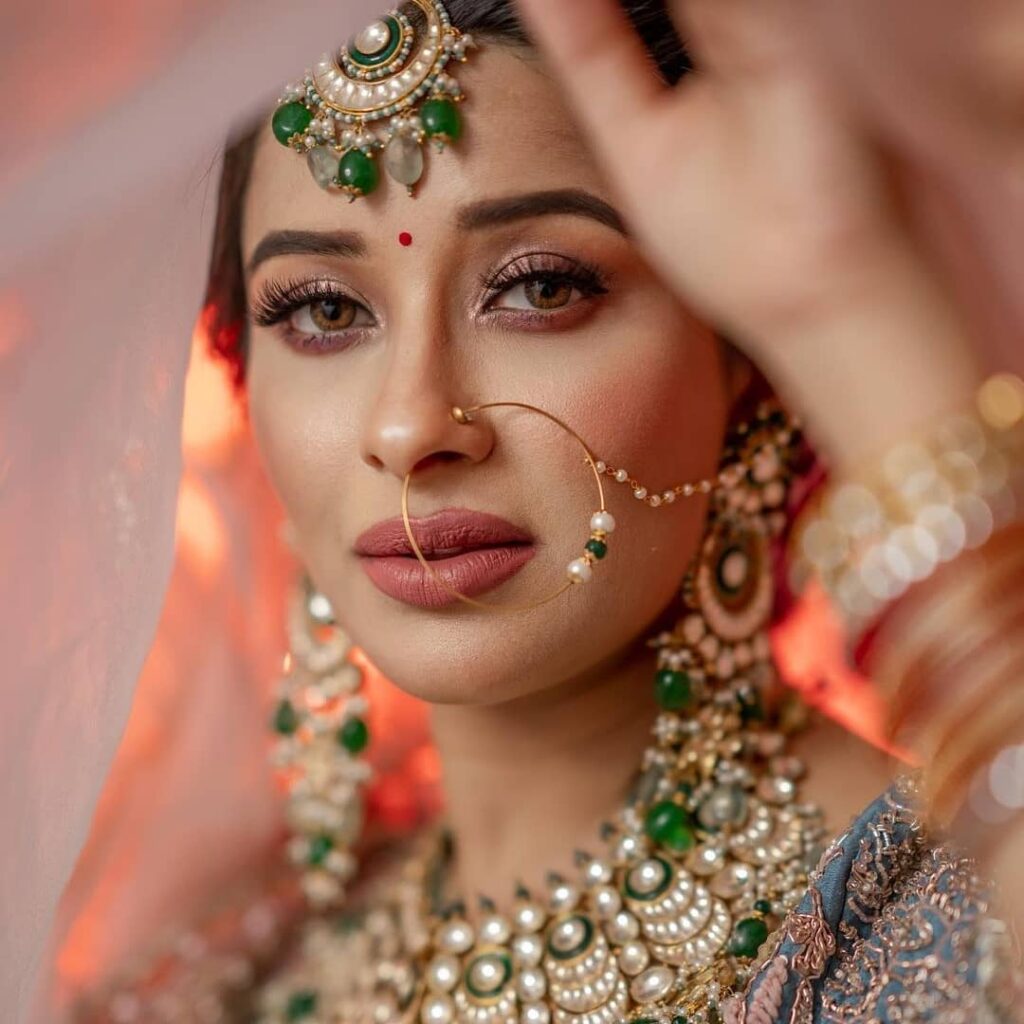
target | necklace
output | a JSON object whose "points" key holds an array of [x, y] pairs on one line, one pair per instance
{"points": [[709, 853], [711, 850]]}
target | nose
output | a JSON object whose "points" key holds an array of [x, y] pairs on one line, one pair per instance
{"points": [[410, 423]]}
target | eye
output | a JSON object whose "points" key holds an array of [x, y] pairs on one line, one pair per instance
{"points": [[542, 284], [327, 314], [313, 316], [547, 292]]}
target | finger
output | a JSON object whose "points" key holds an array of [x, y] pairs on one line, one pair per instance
{"points": [[738, 38], [599, 60]]}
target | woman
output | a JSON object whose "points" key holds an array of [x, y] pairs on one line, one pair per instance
{"points": [[527, 271]]}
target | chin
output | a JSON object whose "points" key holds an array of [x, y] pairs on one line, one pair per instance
{"points": [[465, 658], [440, 678]]}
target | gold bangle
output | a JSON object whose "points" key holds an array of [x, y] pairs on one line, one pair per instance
{"points": [[939, 621], [998, 719]]}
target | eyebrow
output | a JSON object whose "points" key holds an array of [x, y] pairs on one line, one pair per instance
{"points": [[473, 217], [573, 201], [344, 244]]}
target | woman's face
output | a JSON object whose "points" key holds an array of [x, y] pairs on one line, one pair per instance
{"points": [[519, 285]]}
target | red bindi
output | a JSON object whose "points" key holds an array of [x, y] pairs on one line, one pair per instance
{"points": [[405, 238]]}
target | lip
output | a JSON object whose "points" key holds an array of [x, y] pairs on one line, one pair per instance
{"points": [[473, 552]]}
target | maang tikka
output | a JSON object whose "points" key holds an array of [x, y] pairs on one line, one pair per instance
{"points": [[388, 90]]}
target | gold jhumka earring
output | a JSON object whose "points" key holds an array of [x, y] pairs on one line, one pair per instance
{"points": [[692, 875], [321, 729]]}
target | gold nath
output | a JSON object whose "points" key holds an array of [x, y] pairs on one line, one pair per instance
{"points": [[602, 522], [579, 570]]}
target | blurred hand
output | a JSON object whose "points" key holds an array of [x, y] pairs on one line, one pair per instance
{"points": [[765, 203], [747, 183]]}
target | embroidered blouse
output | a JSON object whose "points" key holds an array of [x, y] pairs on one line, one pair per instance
{"points": [[893, 929]]}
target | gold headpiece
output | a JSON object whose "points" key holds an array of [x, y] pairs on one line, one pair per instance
{"points": [[392, 72]]}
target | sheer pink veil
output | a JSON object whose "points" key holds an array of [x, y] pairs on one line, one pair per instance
{"points": [[113, 120]]}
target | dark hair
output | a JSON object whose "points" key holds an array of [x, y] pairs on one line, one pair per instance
{"points": [[493, 21]]}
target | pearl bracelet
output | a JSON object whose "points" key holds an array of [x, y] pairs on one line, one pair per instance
{"points": [[868, 539]]}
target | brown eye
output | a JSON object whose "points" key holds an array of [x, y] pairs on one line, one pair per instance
{"points": [[332, 314], [548, 292], [542, 283]]}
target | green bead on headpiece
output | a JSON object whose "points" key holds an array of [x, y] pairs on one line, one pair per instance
{"points": [[385, 92]]}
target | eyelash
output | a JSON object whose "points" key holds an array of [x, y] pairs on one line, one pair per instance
{"points": [[278, 300], [543, 266]]}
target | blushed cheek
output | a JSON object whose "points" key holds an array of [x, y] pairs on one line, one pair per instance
{"points": [[658, 410], [657, 406]]}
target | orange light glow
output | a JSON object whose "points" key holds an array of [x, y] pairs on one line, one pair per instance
{"points": [[14, 322], [810, 648], [213, 418], [201, 537]]}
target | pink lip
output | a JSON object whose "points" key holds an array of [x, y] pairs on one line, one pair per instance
{"points": [[471, 551]]}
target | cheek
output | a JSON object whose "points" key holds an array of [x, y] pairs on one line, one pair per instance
{"points": [[659, 413], [657, 408], [303, 435]]}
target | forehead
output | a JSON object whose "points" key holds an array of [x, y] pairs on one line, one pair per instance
{"points": [[518, 137]]}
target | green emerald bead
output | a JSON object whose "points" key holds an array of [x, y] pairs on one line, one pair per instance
{"points": [[290, 119], [751, 708], [354, 735], [672, 689], [286, 718], [596, 547], [441, 120], [763, 906], [301, 1004], [357, 173], [668, 824], [747, 937], [680, 1019], [319, 847]]}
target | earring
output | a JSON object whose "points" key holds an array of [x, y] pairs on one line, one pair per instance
{"points": [[721, 640], [320, 723]]}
